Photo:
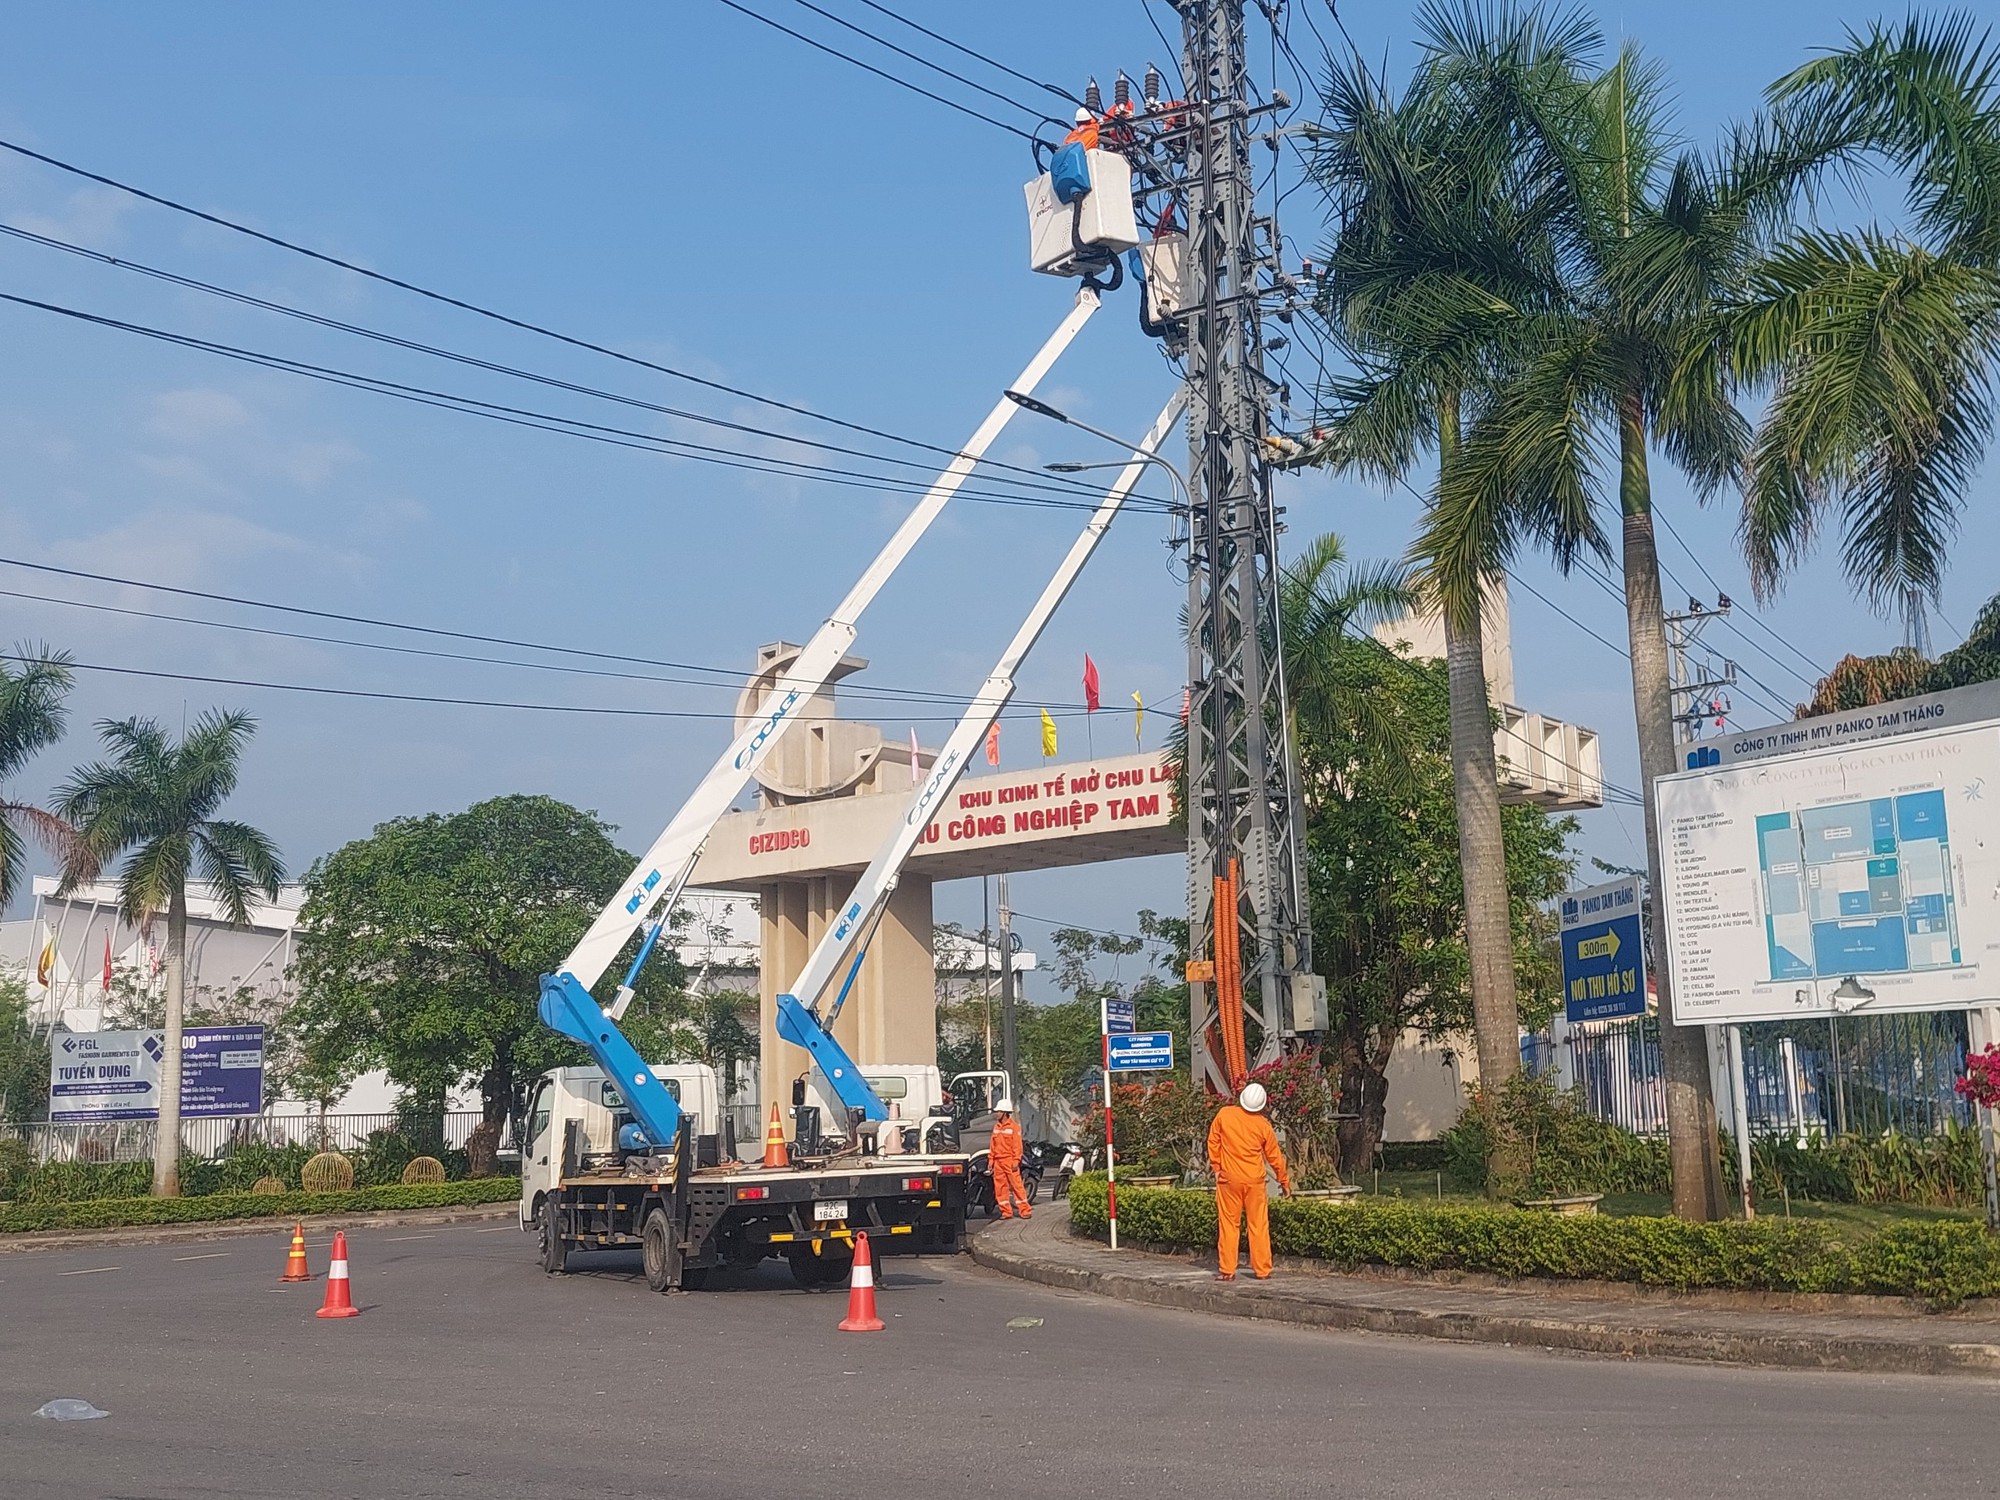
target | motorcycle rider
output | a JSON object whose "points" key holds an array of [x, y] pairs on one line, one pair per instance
{"points": [[1005, 1157]]}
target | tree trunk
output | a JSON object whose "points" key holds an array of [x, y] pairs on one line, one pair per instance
{"points": [[1364, 1093], [167, 1131], [1489, 936], [1692, 1141]]}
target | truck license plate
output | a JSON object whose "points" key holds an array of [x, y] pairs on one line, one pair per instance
{"points": [[830, 1210]]}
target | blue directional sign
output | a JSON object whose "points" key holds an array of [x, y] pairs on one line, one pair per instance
{"points": [[1140, 1051], [1119, 1016], [1604, 952]]}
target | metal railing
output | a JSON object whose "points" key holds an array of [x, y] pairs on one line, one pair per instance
{"points": [[1862, 1074], [132, 1140]]}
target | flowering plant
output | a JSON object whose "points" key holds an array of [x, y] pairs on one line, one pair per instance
{"points": [[1981, 1083]]}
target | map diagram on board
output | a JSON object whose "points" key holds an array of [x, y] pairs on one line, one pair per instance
{"points": [[1859, 887]]}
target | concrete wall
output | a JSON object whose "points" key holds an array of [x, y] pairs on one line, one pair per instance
{"points": [[1427, 1079]]}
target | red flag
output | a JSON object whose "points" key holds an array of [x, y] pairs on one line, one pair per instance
{"points": [[993, 744], [1187, 695], [107, 963], [1089, 684]]}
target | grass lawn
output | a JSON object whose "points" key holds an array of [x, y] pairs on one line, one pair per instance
{"points": [[1424, 1187]]}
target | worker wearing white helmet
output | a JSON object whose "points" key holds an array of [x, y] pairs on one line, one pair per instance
{"points": [[1241, 1144], [1003, 1155], [1085, 134]]}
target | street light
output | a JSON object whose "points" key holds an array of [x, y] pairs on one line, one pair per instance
{"points": [[1043, 409]]}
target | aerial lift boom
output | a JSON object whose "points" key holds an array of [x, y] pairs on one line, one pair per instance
{"points": [[799, 1020], [566, 1004]]}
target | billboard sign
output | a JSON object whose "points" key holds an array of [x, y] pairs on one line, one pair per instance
{"points": [[115, 1075], [1604, 952], [1850, 878]]}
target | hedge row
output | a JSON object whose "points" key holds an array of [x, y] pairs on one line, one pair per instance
{"points": [[1942, 1262], [104, 1213]]}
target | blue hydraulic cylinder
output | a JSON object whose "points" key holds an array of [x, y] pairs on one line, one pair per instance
{"points": [[800, 1027], [566, 1006]]}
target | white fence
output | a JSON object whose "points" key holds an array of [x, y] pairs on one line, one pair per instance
{"points": [[132, 1140]]}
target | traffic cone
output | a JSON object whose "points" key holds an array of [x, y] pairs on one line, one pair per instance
{"points": [[339, 1304], [775, 1154], [861, 1292], [295, 1263]]}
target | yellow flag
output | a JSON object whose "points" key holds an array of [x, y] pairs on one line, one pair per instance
{"points": [[1048, 736], [47, 967], [1138, 720]]}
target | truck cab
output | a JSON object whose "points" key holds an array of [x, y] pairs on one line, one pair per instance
{"points": [[586, 1099]]}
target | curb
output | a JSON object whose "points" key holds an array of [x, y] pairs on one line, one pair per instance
{"points": [[222, 1229], [1858, 1354]]}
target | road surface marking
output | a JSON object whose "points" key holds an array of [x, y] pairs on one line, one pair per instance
{"points": [[497, 1228], [93, 1271], [395, 1237], [211, 1255]]}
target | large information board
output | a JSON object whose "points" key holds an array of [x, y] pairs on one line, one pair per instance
{"points": [[115, 1075], [1856, 877]]}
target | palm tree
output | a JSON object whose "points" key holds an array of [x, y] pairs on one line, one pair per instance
{"points": [[154, 802], [1447, 232], [32, 717], [1878, 349], [1323, 600], [1619, 354]]}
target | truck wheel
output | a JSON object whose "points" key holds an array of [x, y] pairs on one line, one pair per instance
{"points": [[656, 1248], [555, 1253], [820, 1273]]}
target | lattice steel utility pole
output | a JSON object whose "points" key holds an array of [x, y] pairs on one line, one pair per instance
{"points": [[1245, 824]]}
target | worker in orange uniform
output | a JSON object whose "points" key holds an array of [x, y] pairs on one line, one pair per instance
{"points": [[1085, 134], [1004, 1155], [1241, 1144]]}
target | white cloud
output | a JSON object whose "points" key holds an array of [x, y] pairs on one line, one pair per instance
{"points": [[195, 415]]}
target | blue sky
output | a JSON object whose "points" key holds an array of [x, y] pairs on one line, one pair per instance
{"points": [[682, 183]]}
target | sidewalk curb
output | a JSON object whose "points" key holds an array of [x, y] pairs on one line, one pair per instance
{"points": [[1622, 1340], [222, 1229]]}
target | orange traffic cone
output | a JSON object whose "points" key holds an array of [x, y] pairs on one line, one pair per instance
{"points": [[861, 1292], [775, 1154], [339, 1304], [296, 1268]]}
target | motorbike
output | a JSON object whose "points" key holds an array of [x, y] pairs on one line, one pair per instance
{"points": [[979, 1194], [1073, 1160]]}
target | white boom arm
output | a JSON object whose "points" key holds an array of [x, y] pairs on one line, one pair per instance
{"points": [[667, 865], [879, 880]]}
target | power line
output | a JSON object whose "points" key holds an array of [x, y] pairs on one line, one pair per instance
{"points": [[1036, 480], [620, 437], [472, 307], [1694, 557], [904, 83], [1060, 93], [925, 62]]}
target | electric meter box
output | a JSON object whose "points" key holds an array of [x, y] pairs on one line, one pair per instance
{"points": [[1164, 260], [1101, 220]]}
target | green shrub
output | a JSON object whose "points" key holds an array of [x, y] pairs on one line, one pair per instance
{"points": [[1943, 1263], [108, 1212], [16, 1162], [256, 1159], [1567, 1149], [383, 1158], [68, 1181], [1416, 1156]]}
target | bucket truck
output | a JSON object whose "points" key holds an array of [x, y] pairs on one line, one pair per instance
{"points": [[612, 1159]]}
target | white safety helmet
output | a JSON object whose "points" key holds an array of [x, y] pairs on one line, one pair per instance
{"points": [[1083, 116], [1252, 1098], [1004, 1107]]}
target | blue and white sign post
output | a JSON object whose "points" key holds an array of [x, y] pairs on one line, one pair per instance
{"points": [[1604, 952]]}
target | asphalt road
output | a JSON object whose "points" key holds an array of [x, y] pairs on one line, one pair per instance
{"points": [[471, 1373]]}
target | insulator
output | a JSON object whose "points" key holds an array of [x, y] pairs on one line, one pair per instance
{"points": [[1093, 98], [1121, 91], [1151, 87]]}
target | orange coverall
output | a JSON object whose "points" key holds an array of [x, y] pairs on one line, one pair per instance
{"points": [[1239, 1146], [1005, 1156]]}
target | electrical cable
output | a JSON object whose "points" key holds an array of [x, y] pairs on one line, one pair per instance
{"points": [[1694, 557], [567, 426], [1036, 480], [474, 308], [1063, 94], [925, 62], [847, 57]]}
